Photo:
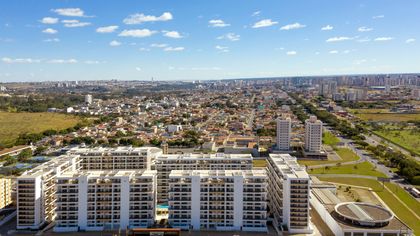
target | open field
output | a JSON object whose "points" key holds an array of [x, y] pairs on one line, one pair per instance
{"points": [[397, 207], [405, 138], [259, 163], [13, 124], [368, 111], [345, 154], [329, 139], [364, 168], [388, 117]]}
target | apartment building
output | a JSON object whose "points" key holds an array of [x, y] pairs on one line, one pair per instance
{"points": [[101, 200], [288, 194], [36, 191], [218, 200], [120, 158], [313, 135], [164, 164], [5, 192], [284, 130]]}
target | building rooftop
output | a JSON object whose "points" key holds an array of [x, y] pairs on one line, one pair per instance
{"points": [[256, 173], [202, 156], [288, 166]]}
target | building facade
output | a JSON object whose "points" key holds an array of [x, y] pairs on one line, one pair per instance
{"points": [[100, 200], [313, 135], [164, 164], [288, 194], [5, 192], [218, 200], [284, 130]]}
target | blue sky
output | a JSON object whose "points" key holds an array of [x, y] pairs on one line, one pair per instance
{"points": [[218, 39]]}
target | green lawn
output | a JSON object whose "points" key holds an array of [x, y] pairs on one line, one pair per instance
{"points": [[388, 117], [404, 137], [259, 163], [364, 168], [345, 154], [399, 209], [329, 139], [13, 124]]}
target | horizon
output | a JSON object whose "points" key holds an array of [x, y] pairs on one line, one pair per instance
{"points": [[218, 40]]}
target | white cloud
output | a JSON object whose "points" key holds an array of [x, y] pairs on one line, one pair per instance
{"points": [[222, 48], [383, 39], [52, 40], [173, 49], [9, 60], [90, 62], [49, 31], [218, 23], [138, 69], [70, 12], [346, 51], [378, 17], [338, 39], [359, 62], [333, 52], [364, 29], [107, 29], [159, 45], [256, 13], [363, 40], [292, 26], [137, 33], [327, 27], [62, 61], [144, 49], [114, 43], [172, 34], [291, 53], [49, 20], [264, 23], [230, 36], [74, 23], [410, 40], [139, 18]]}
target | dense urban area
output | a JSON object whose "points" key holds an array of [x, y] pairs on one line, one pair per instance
{"points": [[332, 155]]}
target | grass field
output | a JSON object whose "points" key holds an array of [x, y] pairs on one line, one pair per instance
{"points": [[388, 117], [259, 163], [345, 154], [399, 209], [329, 139], [404, 138], [13, 124], [369, 111], [364, 168]]}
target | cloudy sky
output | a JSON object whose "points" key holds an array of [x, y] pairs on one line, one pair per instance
{"points": [[218, 39]]}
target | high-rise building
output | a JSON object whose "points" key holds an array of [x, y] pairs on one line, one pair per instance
{"points": [[284, 130], [164, 164], [88, 99], [313, 135], [5, 192], [288, 194], [100, 200], [218, 200], [36, 191]]}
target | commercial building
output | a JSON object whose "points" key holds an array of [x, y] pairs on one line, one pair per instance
{"points": [[218, 200], [284, 130], [313, 135], [288, 194], [120, 158], [356, 218], [164, 164], [5, 192], [100, 200], [36, 191]]}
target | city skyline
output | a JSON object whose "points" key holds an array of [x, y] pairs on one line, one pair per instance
{"points": [[77, 40]]}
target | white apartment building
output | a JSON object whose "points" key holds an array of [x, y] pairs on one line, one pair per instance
{"points": [[313, 135], [88, 99], [164, 164], [36, 191], [218, 200], [5, 192], [120, 158], [288, 194], [100, 200], [284, 130]]}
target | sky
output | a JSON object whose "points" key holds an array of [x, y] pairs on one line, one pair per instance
{"points": [[200, 40]]}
